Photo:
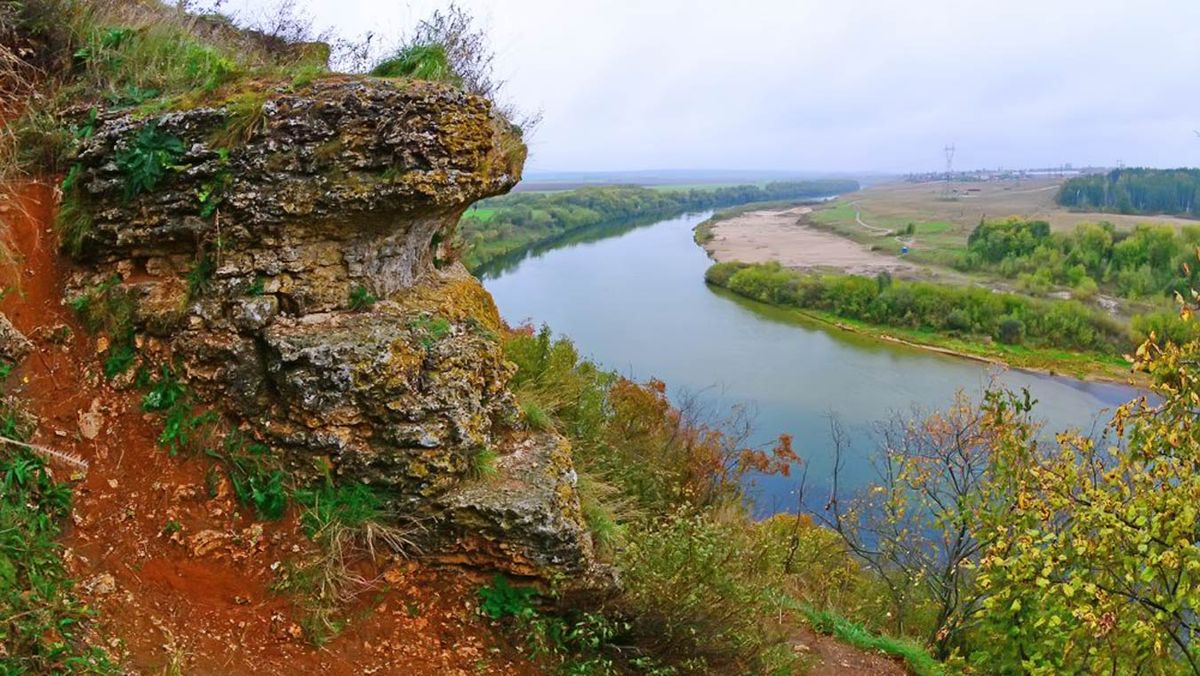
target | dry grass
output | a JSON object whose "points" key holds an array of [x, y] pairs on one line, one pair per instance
{"points": [[893, 205]]}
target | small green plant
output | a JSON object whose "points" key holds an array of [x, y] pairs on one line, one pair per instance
{"points": [[212, 193], [430, 329], [361, 299], [535, 416], [86, 128], [120, 358], [483, 465], [165, 392], [245, 117], [501, 599], [199, 279], [183, 430], [258, 287], [171, 527], [147, 158], [132, 96]]}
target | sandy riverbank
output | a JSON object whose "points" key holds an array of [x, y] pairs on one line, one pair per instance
{"points": [[781, 235]]}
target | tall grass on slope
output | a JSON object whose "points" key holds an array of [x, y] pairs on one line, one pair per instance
{"points": [[420, 62]]}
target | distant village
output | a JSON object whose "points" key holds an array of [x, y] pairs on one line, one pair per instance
{"points": [[981, 175]]}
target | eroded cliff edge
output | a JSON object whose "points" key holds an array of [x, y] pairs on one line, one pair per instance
{"points": [[288, 251]]}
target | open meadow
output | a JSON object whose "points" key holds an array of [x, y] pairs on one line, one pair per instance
{"points": [[880, 216]]}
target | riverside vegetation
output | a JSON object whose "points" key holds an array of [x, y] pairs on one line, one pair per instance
{"points": [[1148, 265], [504, 225], [982, 545]]}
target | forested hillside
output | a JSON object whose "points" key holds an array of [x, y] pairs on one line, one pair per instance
{"points": [[502, 225], [1134, 191]]}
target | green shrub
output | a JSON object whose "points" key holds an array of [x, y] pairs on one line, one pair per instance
{"points": [[361, 299], [535, 417], [164, 393], [255, 478], [501, 599], [147, 158], [348, 505], [1149, 260], [696, 589], [118, 360], [1010, 331], [483, 465], [1166, 326]]}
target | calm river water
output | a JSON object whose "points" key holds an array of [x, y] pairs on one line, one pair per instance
{"points": [[636, 302]]}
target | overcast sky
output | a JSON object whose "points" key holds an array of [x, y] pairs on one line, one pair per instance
{"points": [[836, 85]]}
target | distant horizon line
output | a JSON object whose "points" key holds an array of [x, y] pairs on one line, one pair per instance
{"points": [[719, 173]]}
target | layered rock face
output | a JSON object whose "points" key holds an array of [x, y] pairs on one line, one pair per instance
{"points": [[292, 258]]}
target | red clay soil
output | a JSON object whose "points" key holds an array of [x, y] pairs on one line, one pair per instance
{"points": [[199, 601]]}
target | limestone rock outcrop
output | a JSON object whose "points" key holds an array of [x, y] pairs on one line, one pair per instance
{"points": [[293, 258]]}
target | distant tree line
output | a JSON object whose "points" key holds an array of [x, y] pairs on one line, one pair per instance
{"points": [[503, 225], [1147, 261], [1134, 191]]}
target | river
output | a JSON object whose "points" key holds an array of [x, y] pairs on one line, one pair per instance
{"points": [[636, 302]]}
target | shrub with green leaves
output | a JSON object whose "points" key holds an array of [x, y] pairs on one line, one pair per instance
{"points": [[698, 591], [41, 622], [501, 599], [147, 159]]}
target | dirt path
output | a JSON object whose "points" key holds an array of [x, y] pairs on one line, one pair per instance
{"points": [[762, 236], [200, 597], [882, 232], [826, 656]]}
